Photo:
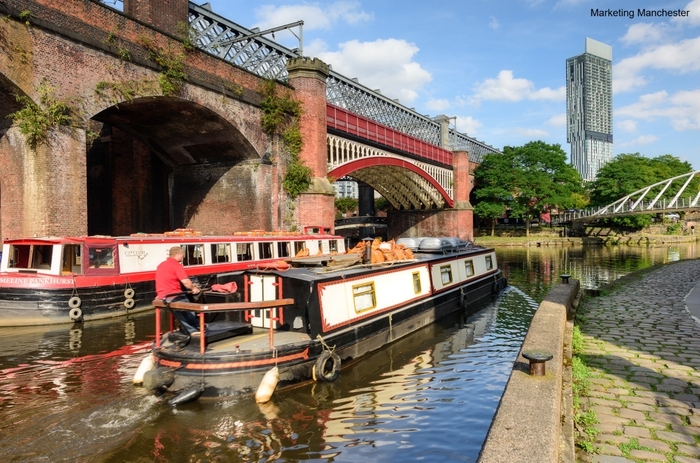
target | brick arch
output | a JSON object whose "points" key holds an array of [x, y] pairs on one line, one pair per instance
{"points": [[181, 132], [8, 100], [403, 184]]}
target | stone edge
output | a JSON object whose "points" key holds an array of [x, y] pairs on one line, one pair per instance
{"points": [[531, 423]]}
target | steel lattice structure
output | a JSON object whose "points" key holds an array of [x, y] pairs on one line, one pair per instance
{"points": [[656, 198], [223, 38]]}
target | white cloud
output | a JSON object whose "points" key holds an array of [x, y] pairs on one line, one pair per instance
{"points": [[693, 18], [386, 65], [468, 125], [644, 33], [494, 24], [437, 105], [628, 126], [315, 16], [682, 57], [558, 120], [507, 88], [639, 141], [682, 109], [532, 133]]}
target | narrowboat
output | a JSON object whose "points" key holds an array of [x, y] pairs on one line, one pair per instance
{"points": [[53, 280], [302, 321]]}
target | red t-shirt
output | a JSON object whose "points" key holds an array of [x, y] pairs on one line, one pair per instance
{"points": [[168, 276]]}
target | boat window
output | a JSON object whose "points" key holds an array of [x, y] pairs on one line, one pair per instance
{"points": [[194, 254], [416, 283], [364, 297], [489, 263], [19, 256], [283, 248], [41, 256], [265, 250], [333, 245], [469, 267], [101, 257], [72, 262], [298, 247], [446, 274], [220, 252], [244, 251], [320, 247]]}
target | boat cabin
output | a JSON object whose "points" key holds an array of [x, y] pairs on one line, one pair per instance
{"points": [[144, 252]]}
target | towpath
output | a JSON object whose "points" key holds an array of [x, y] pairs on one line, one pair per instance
{"points": [[642, 341]]}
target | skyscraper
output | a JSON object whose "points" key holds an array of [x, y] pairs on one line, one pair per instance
{"points": [[589, 108]]}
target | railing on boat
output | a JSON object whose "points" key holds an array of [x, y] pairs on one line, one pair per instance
{"points": [[202, 309]]}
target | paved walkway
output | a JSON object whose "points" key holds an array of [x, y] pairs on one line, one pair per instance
{"points": [[643, 345]]}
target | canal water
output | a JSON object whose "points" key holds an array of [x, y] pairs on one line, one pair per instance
{"points": [[66, 392]]}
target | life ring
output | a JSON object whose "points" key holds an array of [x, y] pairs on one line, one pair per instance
{"points": [[75, 314], [129, 303], [327, 367], [129, 293], [74, 302]]}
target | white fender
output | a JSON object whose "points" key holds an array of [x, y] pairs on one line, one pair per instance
{"points": [[147, 364], [267, 386]]}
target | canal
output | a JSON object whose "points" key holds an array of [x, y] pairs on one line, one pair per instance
{"points": [[66, 392]]}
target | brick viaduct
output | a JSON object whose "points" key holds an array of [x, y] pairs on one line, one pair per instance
{"points": [[137, 156]]}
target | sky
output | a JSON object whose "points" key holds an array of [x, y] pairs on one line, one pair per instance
{"points": [[499, 66]]}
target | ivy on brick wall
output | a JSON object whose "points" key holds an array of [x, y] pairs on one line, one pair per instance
{"points": [[35, 120], [172, 62], [281, 113], [117, 92]]}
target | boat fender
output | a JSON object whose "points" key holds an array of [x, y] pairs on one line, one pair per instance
{"points": [[147, 364], [74, 302], [463, 300], [188, 395], [267, 386], [129, 303], [75, 314], [158, 378], [327, 367], [129, 293]]}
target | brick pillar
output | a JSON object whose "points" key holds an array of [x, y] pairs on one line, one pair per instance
{"points": [[462, 214], [44, 190], [462, 180], [308, 77], [163, 15]]}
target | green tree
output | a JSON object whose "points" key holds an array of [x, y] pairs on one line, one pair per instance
{"points": [[528, 180], [343, 205], [493, 176], [630, 172]]}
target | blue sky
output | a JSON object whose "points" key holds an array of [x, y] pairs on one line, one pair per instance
{"points": [[499, 66]]}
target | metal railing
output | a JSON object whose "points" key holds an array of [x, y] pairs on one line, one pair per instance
{"points": [[225, 39]]}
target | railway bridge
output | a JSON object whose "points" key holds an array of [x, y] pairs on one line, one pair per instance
{"points": [[165, 129]]}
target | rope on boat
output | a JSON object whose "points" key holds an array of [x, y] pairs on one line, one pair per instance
{"points": [[391, 317], [323, 343], [274, 354]]}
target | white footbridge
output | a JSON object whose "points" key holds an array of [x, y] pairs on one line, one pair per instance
{"points": [[677, 194]]}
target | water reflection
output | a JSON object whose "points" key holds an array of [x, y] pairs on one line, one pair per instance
{"points": [[535, 269], [66, 392]]}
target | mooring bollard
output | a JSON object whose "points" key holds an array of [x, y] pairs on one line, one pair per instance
{"points": [[565, 278], [537, 359]]}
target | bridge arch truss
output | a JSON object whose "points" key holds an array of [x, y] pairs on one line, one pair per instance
{"points": [[674, 194], [406, 183]]}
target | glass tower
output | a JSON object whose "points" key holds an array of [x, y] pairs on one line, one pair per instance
{"points": [[589, 108]]}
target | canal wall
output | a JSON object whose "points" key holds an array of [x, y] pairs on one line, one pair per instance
{"points": [[533, 421]]}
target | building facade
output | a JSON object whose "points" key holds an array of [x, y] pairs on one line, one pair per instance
{"points": [[589, 108]]}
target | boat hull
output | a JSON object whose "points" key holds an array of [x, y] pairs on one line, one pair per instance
{"points": [[32, 307], [235, 374]]}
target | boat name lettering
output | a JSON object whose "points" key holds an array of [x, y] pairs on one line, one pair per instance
{"points": [[135, 253], [36, 281]]}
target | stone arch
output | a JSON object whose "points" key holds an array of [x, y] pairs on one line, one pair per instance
{"points": [[402, 183]]}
